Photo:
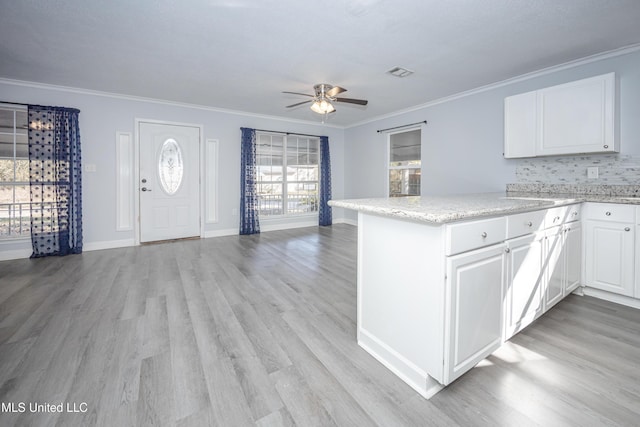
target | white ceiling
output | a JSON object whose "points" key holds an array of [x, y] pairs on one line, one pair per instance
{"points": [[241, 54]]}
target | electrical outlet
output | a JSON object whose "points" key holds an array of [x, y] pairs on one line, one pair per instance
{"points": [[592, 172]]}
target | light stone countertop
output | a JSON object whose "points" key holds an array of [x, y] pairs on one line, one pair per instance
{"points": [[444, 209]]}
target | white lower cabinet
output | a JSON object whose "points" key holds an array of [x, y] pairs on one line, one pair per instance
{"points": [[609, 256], [555, 271], [610, 247], [572, 248], [434, 300], [563, 262], [524, 285], [474, 296]]}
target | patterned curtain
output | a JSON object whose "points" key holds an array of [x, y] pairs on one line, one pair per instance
{"points": [[324, 215], [55, 175], [249, 223]]}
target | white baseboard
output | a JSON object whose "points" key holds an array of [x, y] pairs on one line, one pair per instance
{"points": [[109, 244], [15, 254], [348, 221], [221, 233], [608, 296], [112, 244], [415, 377]]}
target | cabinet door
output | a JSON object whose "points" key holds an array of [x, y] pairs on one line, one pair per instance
{"points": [[573, 252], [474, 300], [520, 125], [525, 278], [555, 260], [577, 117], [610, 256]]}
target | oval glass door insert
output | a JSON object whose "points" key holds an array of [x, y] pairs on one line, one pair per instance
{"points": [[170, 166]]}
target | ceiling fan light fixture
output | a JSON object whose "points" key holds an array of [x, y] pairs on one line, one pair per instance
{"points": [[322, 106]]}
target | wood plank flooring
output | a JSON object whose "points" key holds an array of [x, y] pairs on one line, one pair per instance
{"points": [[260, 331]]}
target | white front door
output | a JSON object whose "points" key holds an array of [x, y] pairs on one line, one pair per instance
{"points": [[169, 181]]}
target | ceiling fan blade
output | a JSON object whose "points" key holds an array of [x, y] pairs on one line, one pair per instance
{"points": [[353, 101], [299, 103], [298, 93], [334, 91]]}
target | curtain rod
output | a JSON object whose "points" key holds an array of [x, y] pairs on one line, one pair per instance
{"points": [[289, 133], [36, 105], [403, 126], [14, 103]]}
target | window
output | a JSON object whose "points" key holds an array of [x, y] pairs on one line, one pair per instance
{"points": [[287, 173], [405, 163], [15, 210]]}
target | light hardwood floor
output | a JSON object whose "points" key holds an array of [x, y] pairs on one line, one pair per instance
{"points": [[260, 331]]}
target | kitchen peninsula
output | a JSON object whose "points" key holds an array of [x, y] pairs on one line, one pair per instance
{"points": [[444, 281]]}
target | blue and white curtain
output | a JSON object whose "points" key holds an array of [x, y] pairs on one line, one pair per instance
{"points": [[55, 175], [249, 223], [324, 213]]}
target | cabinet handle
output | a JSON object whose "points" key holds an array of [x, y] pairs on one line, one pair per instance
{"points": [[606, 146], [507, 250], [556, 219], [627, 229], [484, 234], [530, 224], [574, 213]]}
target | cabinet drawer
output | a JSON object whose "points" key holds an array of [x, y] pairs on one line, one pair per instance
{"points": [[466, 236], [525, 223], [562, 215], [610, 212]]}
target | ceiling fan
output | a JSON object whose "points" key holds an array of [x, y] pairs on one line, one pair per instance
{"points": [[325, 96]]}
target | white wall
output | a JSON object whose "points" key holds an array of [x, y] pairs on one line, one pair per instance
{"points": [[462, 143], [102, 116]]}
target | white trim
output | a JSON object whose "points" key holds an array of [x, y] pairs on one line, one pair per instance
{"points": [[108, 244], [608, 296], [125, 184], [523, 77], [411, 374], [571, 64], [59, 88], [311, 222], [211, 181], [86, 247], [136, 162], [15, 254], [221, 233], [347, 221]]}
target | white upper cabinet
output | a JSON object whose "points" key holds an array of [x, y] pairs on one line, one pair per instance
{"points": [[571, 118]]}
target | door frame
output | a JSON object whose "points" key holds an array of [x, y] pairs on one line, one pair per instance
{"points": [[136, 168]]}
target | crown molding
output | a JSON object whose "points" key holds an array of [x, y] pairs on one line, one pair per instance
{"points": [[113, 95], [556, 68]]}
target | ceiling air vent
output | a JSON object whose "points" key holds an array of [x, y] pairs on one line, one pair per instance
{"points": [[399, 72]]}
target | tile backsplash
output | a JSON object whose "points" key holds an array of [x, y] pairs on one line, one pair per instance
{"points": [[613, 169]]}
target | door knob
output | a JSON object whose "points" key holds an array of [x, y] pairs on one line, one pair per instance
{"points": [[145, 189], [144, 180]]}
